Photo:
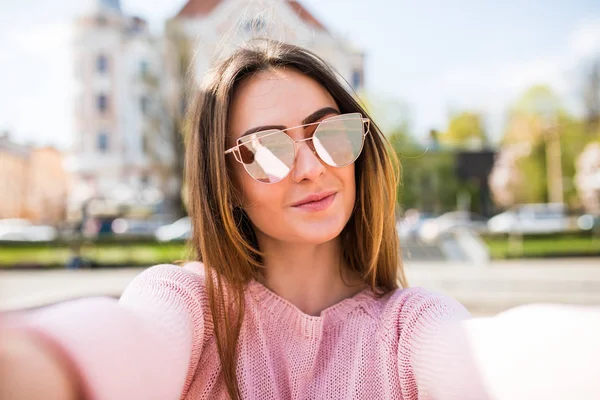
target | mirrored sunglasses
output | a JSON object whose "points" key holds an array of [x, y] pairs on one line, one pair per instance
{"points": [[269, 156]]}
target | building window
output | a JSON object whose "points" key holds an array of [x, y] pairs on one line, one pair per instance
{"points": [[102, 64], [144, 104], [103, 142], [144, 69], [145, 145], [357, 79], [102, 103]]}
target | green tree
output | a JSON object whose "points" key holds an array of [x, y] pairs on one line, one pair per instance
{"points": [[528, 126], [573, 138], [537, 121], [465, 131], [402, 141], [528, 118], [428, 181]]}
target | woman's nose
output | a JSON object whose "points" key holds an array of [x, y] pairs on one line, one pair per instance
{"points": [[307, 165]]}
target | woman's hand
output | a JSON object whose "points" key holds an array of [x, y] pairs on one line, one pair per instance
{"points": [[31, 369]]}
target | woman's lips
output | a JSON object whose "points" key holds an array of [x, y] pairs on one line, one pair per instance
{"points": [[318, 205]]}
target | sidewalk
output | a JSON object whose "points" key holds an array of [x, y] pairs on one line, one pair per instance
{"points": [[484, 289]]}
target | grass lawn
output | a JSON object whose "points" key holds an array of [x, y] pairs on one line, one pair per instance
{"points": [[129, 254], [140, 253], [501, 248]]}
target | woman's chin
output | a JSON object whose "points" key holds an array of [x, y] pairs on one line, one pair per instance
{"points": [[318, 233]]}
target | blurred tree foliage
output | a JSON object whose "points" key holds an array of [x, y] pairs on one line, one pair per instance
{"points": [[429, 182], [533, 188], [573, 139], [534, 117], [536, 122], [465, 131]]}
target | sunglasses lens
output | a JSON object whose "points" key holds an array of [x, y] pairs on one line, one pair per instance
{"points": [[268, 158], [339, 140]]}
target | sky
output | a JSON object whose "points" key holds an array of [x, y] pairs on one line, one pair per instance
{"points": [[434, 57]]}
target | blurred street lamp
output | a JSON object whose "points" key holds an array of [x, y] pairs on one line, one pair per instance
{"points": [[548, 108], [554, 176]]}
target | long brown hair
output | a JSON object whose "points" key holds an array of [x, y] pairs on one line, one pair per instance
{"points": [[223, 237]]}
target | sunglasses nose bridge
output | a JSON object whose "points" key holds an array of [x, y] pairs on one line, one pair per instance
{"points": [[308, 139]]}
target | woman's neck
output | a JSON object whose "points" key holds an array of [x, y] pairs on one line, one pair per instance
{"points": [[312, 277]]}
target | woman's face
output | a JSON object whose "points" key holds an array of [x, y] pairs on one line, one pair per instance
{"points": [[280, 211]]}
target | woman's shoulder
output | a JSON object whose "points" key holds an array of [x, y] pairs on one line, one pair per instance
{"points": [[169, 283], [417, 299], [414, 308], [189, 274]]}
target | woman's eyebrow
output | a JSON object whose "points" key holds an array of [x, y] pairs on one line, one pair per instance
{"points": [[262, 128], [317, 115]]}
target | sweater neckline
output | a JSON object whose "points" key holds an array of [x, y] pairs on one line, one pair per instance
{"points": [[308, 325]]}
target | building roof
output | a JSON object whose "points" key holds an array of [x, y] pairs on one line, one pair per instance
{"points": [[200, 8], [305, 15]]}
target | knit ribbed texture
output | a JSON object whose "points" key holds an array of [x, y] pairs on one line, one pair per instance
{"points": [[158, 342]]}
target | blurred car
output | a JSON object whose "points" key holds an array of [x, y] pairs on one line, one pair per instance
{"points": [[178, 230], [446, 223], [135, 227], [589, 222], [17, 229], [531, 219], [411, 223]]}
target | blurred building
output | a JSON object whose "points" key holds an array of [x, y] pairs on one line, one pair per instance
{"points": [[118, 65], [129, 88], [218, 26], [33, 183], [13, 178]]}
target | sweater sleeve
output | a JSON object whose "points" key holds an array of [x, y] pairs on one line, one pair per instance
{"points": [[145, 346], [423, 314], [530, 352]]}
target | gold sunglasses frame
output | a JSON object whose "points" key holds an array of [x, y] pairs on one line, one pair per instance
{"points": [[358, 116]]}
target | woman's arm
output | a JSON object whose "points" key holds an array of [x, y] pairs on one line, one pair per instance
{"points": [[23, 358], [144, 346], [530, 352]]}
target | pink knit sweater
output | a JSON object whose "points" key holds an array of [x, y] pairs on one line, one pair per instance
{"points": [[157, 342]]}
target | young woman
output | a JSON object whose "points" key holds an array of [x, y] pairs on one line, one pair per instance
{"points": [[299, 291]]}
